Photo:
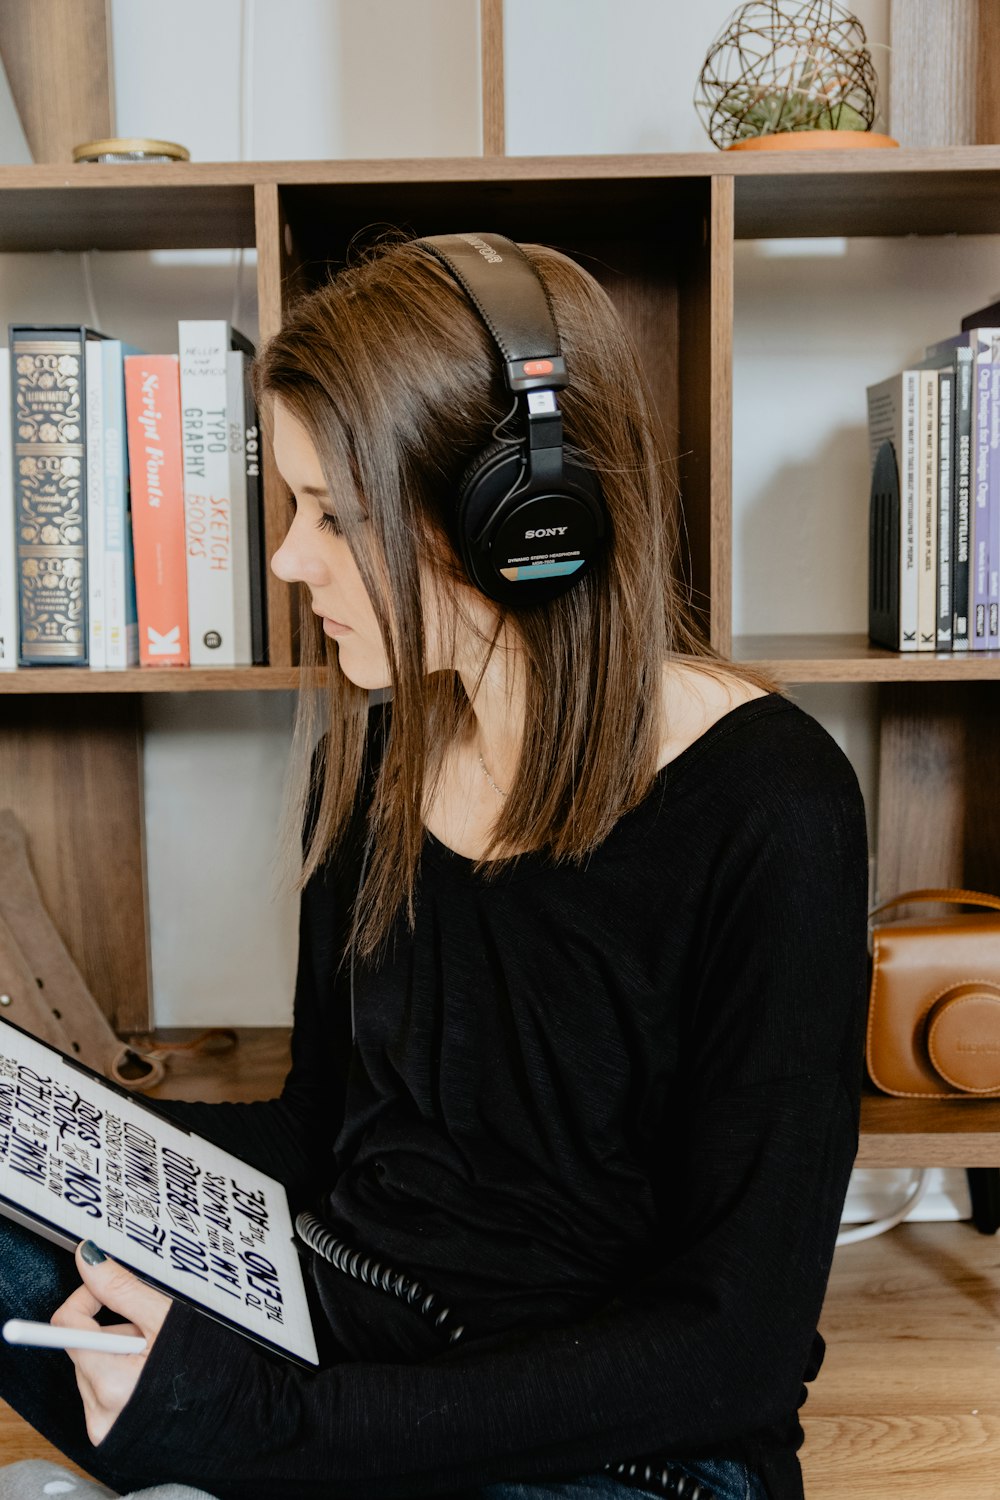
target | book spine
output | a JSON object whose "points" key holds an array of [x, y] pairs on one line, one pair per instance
{"points": [[946, 417], [909, 571], [963, 404], [993, 517], [50, 496], [207, 497], [243, 640], [119, 566], [8, 530], [96, 621], [255, 520], [979, 524], [153, 413], [927, 509]]}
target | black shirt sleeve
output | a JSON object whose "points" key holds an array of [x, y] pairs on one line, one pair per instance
{"points": [[710, 1347]]}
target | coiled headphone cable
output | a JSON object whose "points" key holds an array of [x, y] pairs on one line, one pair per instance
{"points": [[377, 1273], [666, 1480]]}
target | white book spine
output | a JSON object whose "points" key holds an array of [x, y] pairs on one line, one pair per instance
{"points": [[927, 510], [204, 344], [236, 429], [96, 621], [909, 573], [8, 543]]}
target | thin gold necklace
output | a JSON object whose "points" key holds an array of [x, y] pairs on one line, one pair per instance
{"points": [[489, 778]]}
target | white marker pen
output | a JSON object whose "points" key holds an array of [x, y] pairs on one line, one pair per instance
{"points": [[47, 1336]]}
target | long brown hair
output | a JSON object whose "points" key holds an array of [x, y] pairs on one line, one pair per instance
{"points": [[394, 378]]}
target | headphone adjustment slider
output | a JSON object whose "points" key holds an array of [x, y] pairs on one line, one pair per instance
{"points": [[544, 372], [544, 420]]}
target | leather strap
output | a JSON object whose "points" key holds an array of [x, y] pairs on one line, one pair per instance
{"points": [[46, 993], [951, 894]]}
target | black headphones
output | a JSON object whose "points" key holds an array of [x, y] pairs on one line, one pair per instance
{"points": [[529, 520]]}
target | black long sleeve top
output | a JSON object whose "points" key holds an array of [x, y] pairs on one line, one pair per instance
{"points": [[607, 1112]]}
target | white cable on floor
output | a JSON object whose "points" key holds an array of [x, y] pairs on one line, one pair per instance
{"points": [[879, 1226]]}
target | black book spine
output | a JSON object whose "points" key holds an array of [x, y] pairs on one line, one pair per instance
{"points": [[946, 388], [962, 472], [255, 522]]}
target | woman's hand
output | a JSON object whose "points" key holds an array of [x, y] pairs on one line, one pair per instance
{"points": [[107, 1381]]}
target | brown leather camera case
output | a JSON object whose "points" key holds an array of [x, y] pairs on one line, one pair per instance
{"points": [[934, 1010]]}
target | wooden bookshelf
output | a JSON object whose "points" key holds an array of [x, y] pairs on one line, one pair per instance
{"points": [[659, 231], [850, 658], [49, 680], [928, 1132]]}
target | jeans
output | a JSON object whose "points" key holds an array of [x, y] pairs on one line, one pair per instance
{"points": [[723, 1478], [40, 1384]]}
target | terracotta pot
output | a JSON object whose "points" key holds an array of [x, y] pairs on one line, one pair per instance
{"points": [[813, 140]]}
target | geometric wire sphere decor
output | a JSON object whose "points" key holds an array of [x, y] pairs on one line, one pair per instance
{"points": [[780, 66]]}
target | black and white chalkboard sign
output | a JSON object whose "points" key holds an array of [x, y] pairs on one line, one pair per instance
{"points": [[81, 1158]]}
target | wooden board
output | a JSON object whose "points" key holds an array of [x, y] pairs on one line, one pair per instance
{"points": [[70, 767], [491, 49]]}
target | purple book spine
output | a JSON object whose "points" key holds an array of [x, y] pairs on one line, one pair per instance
{"points": [[993, 526]]}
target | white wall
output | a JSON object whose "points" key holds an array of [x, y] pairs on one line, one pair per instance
{"points": [[589, 76], [314, 79], [330, 78]]}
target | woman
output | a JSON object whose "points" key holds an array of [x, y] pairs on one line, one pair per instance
{"points": [[587, 1148]]}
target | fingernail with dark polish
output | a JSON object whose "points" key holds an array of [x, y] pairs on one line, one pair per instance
{"points": [[92, 1253]]}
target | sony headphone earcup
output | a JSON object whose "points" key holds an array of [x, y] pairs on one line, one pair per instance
{"points": [[494, 494]]}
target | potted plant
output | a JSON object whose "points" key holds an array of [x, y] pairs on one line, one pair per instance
{"points": [[783, 74]]}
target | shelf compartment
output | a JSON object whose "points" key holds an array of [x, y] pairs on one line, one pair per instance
{"points": [[850, 658], [75, 215]]}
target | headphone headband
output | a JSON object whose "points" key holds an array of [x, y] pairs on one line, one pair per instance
{"points": [[514, 306]]}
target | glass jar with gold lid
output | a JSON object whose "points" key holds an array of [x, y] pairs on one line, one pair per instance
{"points": [[130, 148]]}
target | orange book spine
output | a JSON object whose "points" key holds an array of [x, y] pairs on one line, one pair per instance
{"points": [[153, 414]]}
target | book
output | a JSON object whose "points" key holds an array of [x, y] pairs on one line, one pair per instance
{"points": [[218, 598], [993, 503], [983, 317], [957, 354], [962, 443], [82, 1158], [893, 419], [8, 572], [153, 410], [946, 431], [97, 654], [48, 412], [122, 632], [235, 417], [983, 342], [883, 550], [927, 501], [255, 520]]}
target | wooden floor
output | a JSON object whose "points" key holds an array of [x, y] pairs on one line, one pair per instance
{"points": [[907, 1404]]}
